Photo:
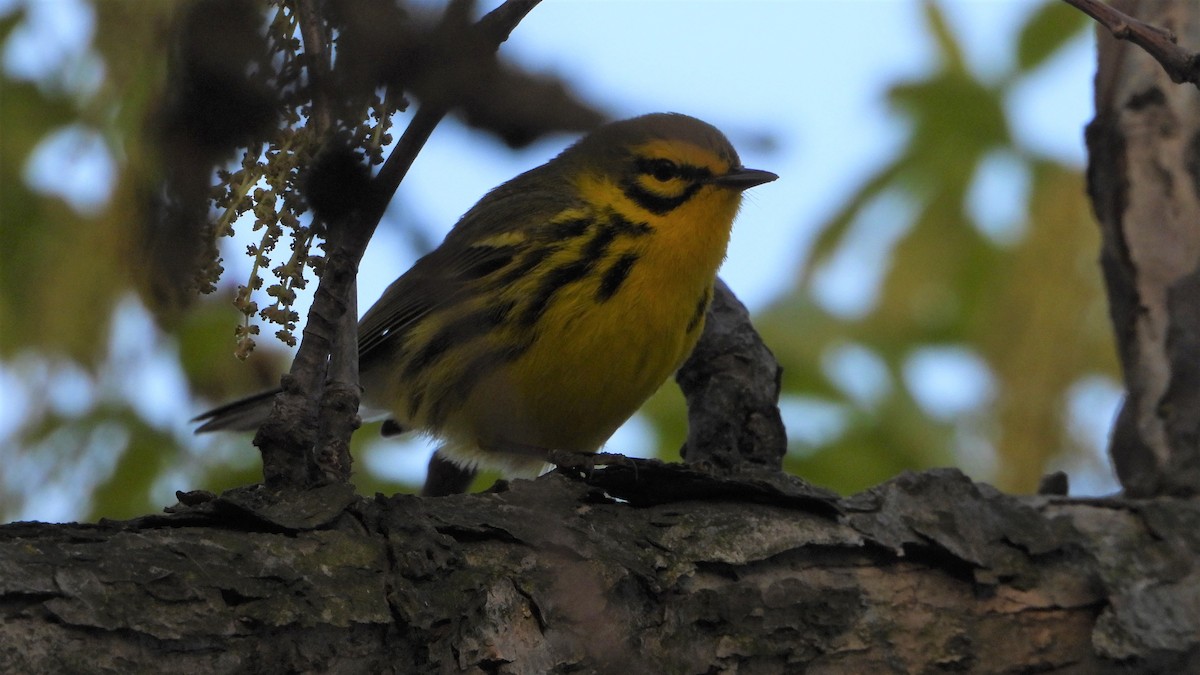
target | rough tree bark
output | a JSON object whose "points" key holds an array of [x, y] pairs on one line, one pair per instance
{"points": [[643, 567], [671, 570], [1144, 180]]}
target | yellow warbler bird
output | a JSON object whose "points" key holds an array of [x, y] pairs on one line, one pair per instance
{"points": [[558, 304]]}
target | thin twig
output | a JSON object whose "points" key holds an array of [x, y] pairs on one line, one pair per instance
{"points": [[1180, 64], [495, 27], [317, 61]]}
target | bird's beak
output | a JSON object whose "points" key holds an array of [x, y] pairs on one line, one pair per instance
{"points": [[741, 178]]}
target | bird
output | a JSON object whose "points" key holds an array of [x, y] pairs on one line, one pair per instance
{"points": [[557, 304]]}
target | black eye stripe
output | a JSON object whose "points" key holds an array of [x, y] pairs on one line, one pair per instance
{"points": [[648, 193], [656, 203], [656, 166]]}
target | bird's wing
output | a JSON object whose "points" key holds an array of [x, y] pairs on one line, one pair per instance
{"points": [[487, 239], [435, 281]]}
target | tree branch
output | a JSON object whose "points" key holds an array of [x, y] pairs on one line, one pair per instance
{"points": [[731, 383], [926, 573], [1181, 65], [1140, 150], [294, 453]]}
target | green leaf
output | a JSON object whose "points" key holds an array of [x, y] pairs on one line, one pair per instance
{"points": [[127, 491], [939, 30], [1046, 31]]}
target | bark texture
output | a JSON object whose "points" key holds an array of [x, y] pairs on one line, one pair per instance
{"points": [[643, 568], [1144, 180], [731, 382]]}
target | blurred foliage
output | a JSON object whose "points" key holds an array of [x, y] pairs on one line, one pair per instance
{"points": [[1030, 307], [210, 112]]}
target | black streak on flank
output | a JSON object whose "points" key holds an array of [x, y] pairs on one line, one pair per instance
{"points": [[457, 332], [698, 314], [614, 276], [470, 375], [571, 272], [627, 227], [569, 229], [533, 257]]}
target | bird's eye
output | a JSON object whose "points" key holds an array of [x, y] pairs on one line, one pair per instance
{"points": [[663, 170]]}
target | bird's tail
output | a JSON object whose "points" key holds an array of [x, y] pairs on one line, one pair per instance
{"points": [[245, 414]]}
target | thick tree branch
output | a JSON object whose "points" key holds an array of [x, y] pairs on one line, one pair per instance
{"points": [[927, 573], [1180, 64], [1142, 166]]}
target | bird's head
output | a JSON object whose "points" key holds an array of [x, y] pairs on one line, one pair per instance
{"points": [[660, 163]]}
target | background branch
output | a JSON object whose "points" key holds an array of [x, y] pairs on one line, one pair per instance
{"points": [[1180, 64], [1140, 150]]}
